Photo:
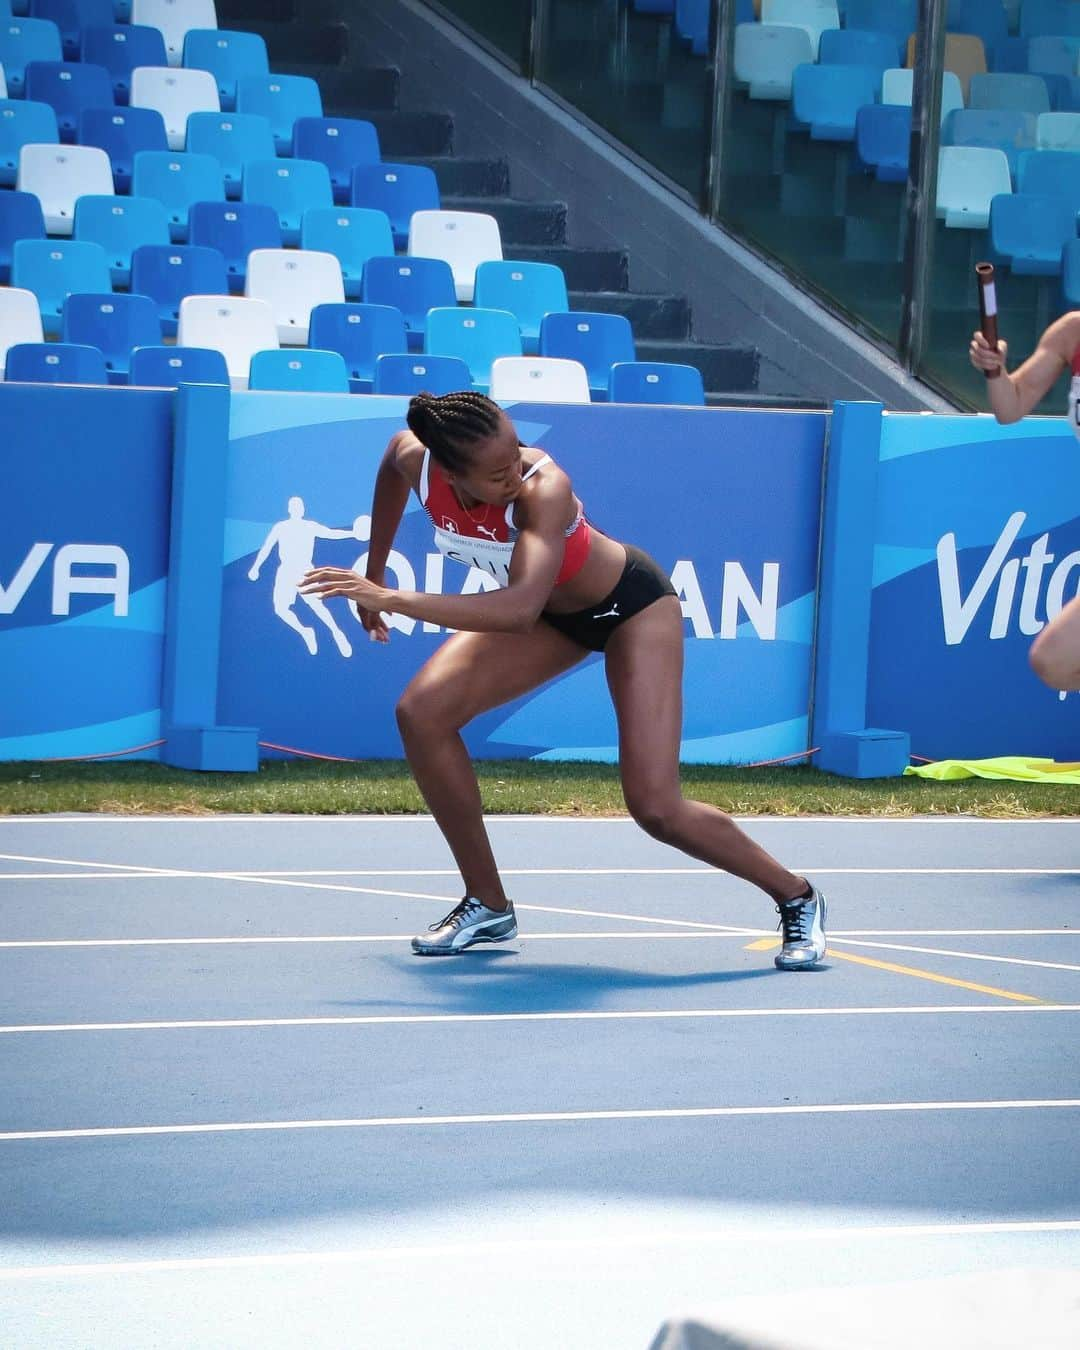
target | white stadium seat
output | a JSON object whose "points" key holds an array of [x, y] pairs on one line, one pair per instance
{"points": [[464, 239], [174, 94], [3, 83], [292, 282], [20, 320], [539, 379], [232, 325], [60, 175], [173, 19]]}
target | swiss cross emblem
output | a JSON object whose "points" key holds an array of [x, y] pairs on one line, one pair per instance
{"points": [[450, 526]]}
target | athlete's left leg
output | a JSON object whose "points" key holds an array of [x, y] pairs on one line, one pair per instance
{"points": [[1055, 653]]}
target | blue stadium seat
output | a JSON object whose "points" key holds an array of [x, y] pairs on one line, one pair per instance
{"points": [[898, 17], [859, 47], [281, 99], [969, 177], [654, 6], [478, 336], [656, 382], [69, 87], [984, 19], [1066, 95], [1070, 274], [827, 98], [23, 122], [352, 234], [23, 41], [1009, 56], [235, 229], [55, 363], [122, 133], [340, 143], [166, 367], [234, 139], [227, 55], [692, 24], [1021, 93], [120, 48], [598, 341], [299, 370], [168, 272], [1052, 55], [1050, 173], [412, 285], [410, 374], [56, 268], [883, 140], [397, 189], [120, 225], [115, 324], [1049, 16], [72, 18], [1029, 233], [290, 186], [996, 128], [360, 334], [177, 180], [529, 290], [20, 218]]}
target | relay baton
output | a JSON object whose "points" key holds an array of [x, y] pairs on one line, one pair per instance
{"points": [[984, 271]]}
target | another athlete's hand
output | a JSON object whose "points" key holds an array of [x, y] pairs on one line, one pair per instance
{"points": [[984, 358], [369, 599], [373, 623]]}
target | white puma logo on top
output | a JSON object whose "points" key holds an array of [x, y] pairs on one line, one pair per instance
{"points": [[483, 529], [612, 613]]}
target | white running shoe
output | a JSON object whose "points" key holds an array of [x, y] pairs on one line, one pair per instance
{"points": [[467, 923], [803, 924]]}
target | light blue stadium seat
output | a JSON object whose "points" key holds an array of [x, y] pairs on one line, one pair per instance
{"points": [[166, 367], [168, 272], [120, 225], [69, 87], [897, 86], [969, 177], [1070, 274], [1050, 173], [1029, 232], [290, 186], [281, 99], [353, 234], [341, 143], [1021, 93], [122, 133], [227, 55], [55, 363], [56, 268], [898, 17], [1066, 95], [529, 290], [1057, 131], [767, 56], [692, 24], [996, 128], [299, 370], [413, 373], [23, 41], [816, 16], [412, 285], [397, 189], [1049, 16], [23, 122], [360, 334], [827, 98], [1053, 55], [234, 139], [477, 336], [235, 229], [859, 47], [883, 140], [598, 341], [1009, 56], [120, 48], [115, 324], [985, 19], [20, 218], [72, 18], [656, 382], [178, 180]]}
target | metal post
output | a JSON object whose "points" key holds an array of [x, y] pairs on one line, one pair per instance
{"points": [[721, 63], [534, 40]]}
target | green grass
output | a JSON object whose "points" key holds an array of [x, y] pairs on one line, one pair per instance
{"points": [[511, 786]]}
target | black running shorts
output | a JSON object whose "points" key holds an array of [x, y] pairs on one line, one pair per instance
{"points": [[642, 581]]}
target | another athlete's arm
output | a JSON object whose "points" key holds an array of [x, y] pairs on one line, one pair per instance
{"points": [[1014, 396]]}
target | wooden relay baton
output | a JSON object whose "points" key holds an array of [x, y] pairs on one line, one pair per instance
{"points": [[984, 271]]}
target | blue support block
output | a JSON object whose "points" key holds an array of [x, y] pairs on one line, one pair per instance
{"points": [[870, 753], [223, 749]]}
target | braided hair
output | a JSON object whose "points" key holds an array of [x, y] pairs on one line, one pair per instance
{"points": [[449, 424]]}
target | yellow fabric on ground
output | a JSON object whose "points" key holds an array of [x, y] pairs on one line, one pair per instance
{"points": [[1017, 768]]}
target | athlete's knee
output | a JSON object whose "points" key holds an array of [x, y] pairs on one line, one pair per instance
{"points": [[657, 812], [1056, 662], [422, 709]]}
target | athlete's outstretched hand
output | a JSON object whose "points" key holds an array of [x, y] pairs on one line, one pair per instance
{"points": [[368, 598]]}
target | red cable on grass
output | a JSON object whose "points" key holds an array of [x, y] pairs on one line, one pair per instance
{"points": [[105, 754], [309, 754]]}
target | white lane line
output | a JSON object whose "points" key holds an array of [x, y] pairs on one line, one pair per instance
{"points": [[648, 1014], [539, 1118], [967, 956]]}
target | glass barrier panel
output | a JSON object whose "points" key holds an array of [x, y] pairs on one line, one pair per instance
{"points": [[504, 23]]}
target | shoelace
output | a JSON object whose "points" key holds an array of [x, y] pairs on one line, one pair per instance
{"points": [[796, 921], [457, 916]]}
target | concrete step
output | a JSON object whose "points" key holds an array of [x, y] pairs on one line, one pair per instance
{"points": [[519, 222], [651, 316], [583, 268], [723, 368], [346, 89], [404, 135], [469, 177], [307, 42]]}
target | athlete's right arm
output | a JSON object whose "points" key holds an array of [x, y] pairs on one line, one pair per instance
{"points": [[397, 476], [1014, 396]]}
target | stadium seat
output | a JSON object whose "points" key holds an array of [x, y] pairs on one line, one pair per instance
{"points": [[656, 382], [341, 143], [310, 371], [176, 94], [290, 187], [965, 57], [985, 19], [539, 379], [20, 218], [3, 84], [397, 189], [898, 17], [115, 324], [883, 140], [478, 336], [234, 139], [464, 239], [412, 285], [1029, 233], [166, 367], [20, 319], [529, 290], [235, 229], [174, 20], [859, 47], [226, 55], [120, 225], [235, 326], [54, 363], [1057, 131], [1066, 95], [281, 99], [1070, 277], [168, 272], [60, 174], [412, 374], [897, 85], [766, 56], [596, 340], [121, 10], [1009, 56], [813, 15], [56, 268], [1022, 93], [1049, 16], [68, 88], [23, 41], [72, 18], [122, 133], [969, 177], [352, 234], [293, 282], [178, 181], [23, 122], [692, 24], [827, 98], [993, 128], [1052, 55], [360, 334], [1050, 173], [120, 48]]}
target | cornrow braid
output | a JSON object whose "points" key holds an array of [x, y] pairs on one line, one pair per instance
{"points": [[449, 424]]}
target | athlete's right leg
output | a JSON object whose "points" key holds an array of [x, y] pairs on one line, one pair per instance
{"points": [[1055, 653], [470, 674]]}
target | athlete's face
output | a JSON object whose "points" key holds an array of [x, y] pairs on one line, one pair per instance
{"points": [[494, 471]]}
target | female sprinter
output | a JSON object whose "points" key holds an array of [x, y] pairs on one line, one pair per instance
{"points": [[566, 590], [1055, 653]]}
